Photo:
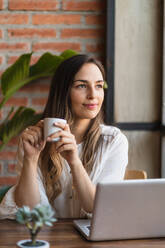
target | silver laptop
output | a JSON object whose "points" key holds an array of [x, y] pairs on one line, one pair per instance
{"points": [[130, 209]]}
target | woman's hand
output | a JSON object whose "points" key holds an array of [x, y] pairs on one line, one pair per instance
{"points": [[33, 141], [66, 146]]}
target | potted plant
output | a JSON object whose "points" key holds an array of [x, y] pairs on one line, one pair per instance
{"points": [[34, 220]]}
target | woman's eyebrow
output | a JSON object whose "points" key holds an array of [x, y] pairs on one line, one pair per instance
{"points": [[86, 81], [81, 80]]}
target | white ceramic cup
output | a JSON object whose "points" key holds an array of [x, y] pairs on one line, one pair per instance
{"points": [[50, 128]]}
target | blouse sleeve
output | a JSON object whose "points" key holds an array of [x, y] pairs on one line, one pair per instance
{"points": [[114, 160], [8, 207]]}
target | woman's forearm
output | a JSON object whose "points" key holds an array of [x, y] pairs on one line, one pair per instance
{"points": [[27, 191], [85, 188]]}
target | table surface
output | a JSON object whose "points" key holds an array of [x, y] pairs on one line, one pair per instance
{"points": [[63, 234]]}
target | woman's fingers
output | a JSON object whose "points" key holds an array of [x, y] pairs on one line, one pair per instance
{"points": [[63, 126], [40, 123], [66, 147], [27, 137], [36, 131], [33, 134], [60, 134], [62, 141]]}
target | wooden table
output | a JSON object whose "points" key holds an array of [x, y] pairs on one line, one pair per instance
{"points": [[63, 235]]}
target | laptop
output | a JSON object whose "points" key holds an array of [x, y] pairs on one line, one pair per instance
{"points": [[129, 209]]}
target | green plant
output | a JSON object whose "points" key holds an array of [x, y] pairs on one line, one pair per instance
{"points": [[15, 77], [35, 219]]}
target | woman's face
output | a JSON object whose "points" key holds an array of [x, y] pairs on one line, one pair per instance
{"points": [[87, 92]]}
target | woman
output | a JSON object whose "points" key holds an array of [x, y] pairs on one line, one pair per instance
{"points": [[65, 173]]}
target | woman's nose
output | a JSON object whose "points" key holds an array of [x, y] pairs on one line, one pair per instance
{"points": [[91, 92]]}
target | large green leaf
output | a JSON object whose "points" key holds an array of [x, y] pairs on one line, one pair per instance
{"points": [[13, 77], [10, 128], [68, 54], [47, 64]]}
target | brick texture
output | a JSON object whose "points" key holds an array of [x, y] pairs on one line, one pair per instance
{"points": [[31, 32], [17, 101], [58, 46], [1, 60], [56, 19], [13, 46], [95, 19], [81, 33], [10, 180], [1, 4], [32, 4], [11, 168], [77, 5], [14, 18], [44, 26]]}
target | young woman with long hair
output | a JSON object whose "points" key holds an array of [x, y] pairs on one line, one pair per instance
{"points": [[65, 173]]}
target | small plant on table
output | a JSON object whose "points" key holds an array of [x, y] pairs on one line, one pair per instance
{"points": [[34, 220]]}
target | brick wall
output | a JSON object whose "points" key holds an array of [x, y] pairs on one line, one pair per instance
{"points": [[40, 26]]}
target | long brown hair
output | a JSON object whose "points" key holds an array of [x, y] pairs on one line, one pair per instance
{"points": [[59, 105]]}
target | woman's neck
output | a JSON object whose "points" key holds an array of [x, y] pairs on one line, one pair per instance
{"points": [[79, 128]]}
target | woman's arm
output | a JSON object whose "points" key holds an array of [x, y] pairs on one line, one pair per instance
{"points": [[84, 187], [67, 147], [27, 189]]}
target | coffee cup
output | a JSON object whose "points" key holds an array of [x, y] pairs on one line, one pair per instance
{"points": [[50, 128]]}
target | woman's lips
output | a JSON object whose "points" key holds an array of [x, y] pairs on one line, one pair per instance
{"points": [[91, 106]]}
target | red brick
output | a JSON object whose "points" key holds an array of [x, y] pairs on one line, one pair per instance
{"points": [[12, 59], [17, 102], [14, 46], [1, 71], [31, 32], [1, 4], [11, 168], [39, 101], [82, 5], [0, 168], [82, 33], [36, 87], [95, 48], [7, 155], [13, 18], [58, 46], [10, 180], [96, 19], [1, 34], [32, 5], [13, 141], [56, 19], [1, 60]]}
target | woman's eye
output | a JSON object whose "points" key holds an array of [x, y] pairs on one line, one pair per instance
{"points": [[99, 86], [81, 86]]}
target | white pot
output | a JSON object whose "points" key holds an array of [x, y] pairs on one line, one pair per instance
{"points": [[22, 242]]}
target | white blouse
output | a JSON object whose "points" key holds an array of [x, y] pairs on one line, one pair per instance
{"points": [[111, 167]]}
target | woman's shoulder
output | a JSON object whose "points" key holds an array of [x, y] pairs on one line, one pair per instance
{"points": [[111, 133], [109, 130]]}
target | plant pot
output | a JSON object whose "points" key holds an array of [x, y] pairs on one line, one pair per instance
{"points": [[40, 244]]}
